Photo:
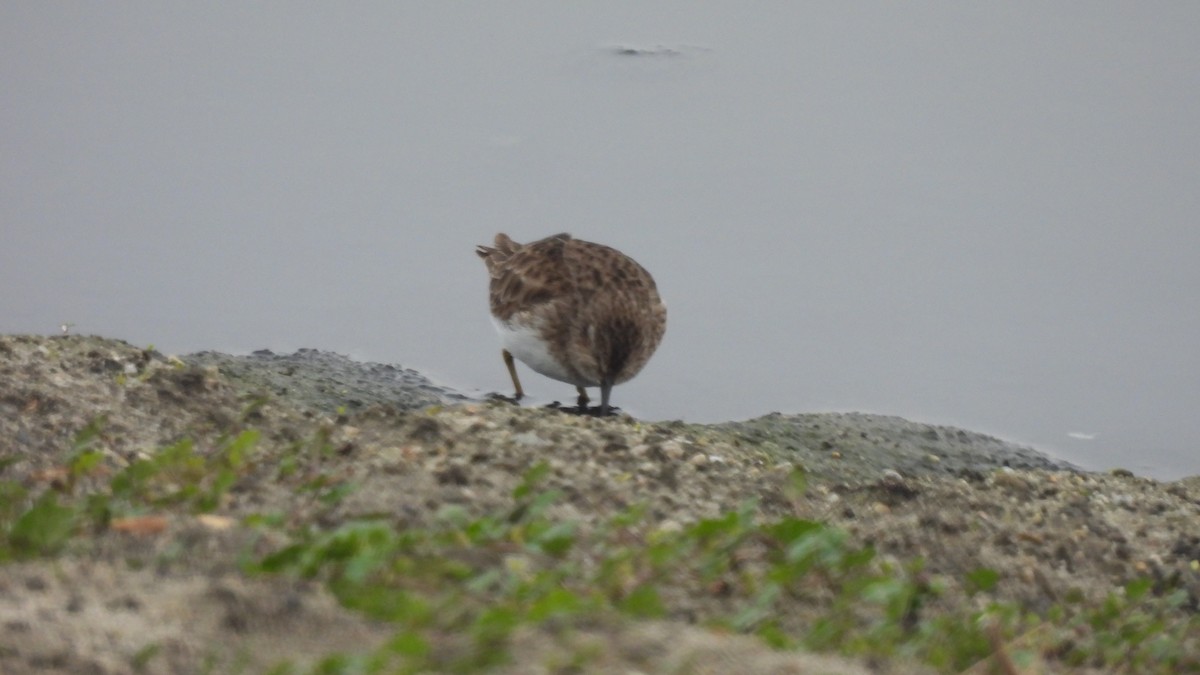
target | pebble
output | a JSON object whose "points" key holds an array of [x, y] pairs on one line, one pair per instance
{"points": [[669, 526], [530, 440], [673, 449]]}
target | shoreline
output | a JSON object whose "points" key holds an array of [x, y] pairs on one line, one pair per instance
{"points": [[326, 381]]}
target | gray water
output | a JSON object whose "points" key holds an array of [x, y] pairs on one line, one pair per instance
{"points": [[963, 214]]}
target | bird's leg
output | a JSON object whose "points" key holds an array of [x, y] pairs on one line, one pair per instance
{"points": [[605, 390], [583, 399], [512, 370]]}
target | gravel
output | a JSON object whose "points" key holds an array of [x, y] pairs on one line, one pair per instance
{"points": [[957, 499]]}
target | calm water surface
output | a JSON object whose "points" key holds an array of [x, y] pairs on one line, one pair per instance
{"points": [[983, 216]]}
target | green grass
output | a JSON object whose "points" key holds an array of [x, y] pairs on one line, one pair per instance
{"points": [[484, 577], [458, 587]]}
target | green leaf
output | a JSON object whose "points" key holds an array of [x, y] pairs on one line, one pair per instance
{"points": [[824, 547], [98, 509], [788, 530], [236, 451], [83, 462], [643, 602], [1136, 589], [221, 484], [334, 495], [536, 507], [336, 664], [495, 623], [557, 602], [455, 515], [631, 516], [770, 632], [556, 540], [856, 558], [383, 602], [141, 659], [530, 479], [797, 482], [44, 528], [710, 528], [885, 591], [759, 611], [285, 668], [285, 558], [86, 437], [485, 581], [982, 580], [12, 497], [409, 644]]}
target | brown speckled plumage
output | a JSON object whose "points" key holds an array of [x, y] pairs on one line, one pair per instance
{"points": [[597, 311]]}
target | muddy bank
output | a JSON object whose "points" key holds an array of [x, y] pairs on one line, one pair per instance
{"points": [[385, 442]]}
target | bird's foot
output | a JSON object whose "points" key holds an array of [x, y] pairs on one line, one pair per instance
{"points": [[584, 411], [515, 399]]}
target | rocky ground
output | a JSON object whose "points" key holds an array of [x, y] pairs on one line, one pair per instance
{"points": [[166, 590]]}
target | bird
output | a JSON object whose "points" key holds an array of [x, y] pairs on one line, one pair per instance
{"points": [[574, 311]]}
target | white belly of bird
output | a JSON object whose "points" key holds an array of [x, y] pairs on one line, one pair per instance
{"points": [[526, 344]]}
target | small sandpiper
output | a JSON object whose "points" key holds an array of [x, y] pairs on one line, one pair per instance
{"points": [[574, 311]]}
